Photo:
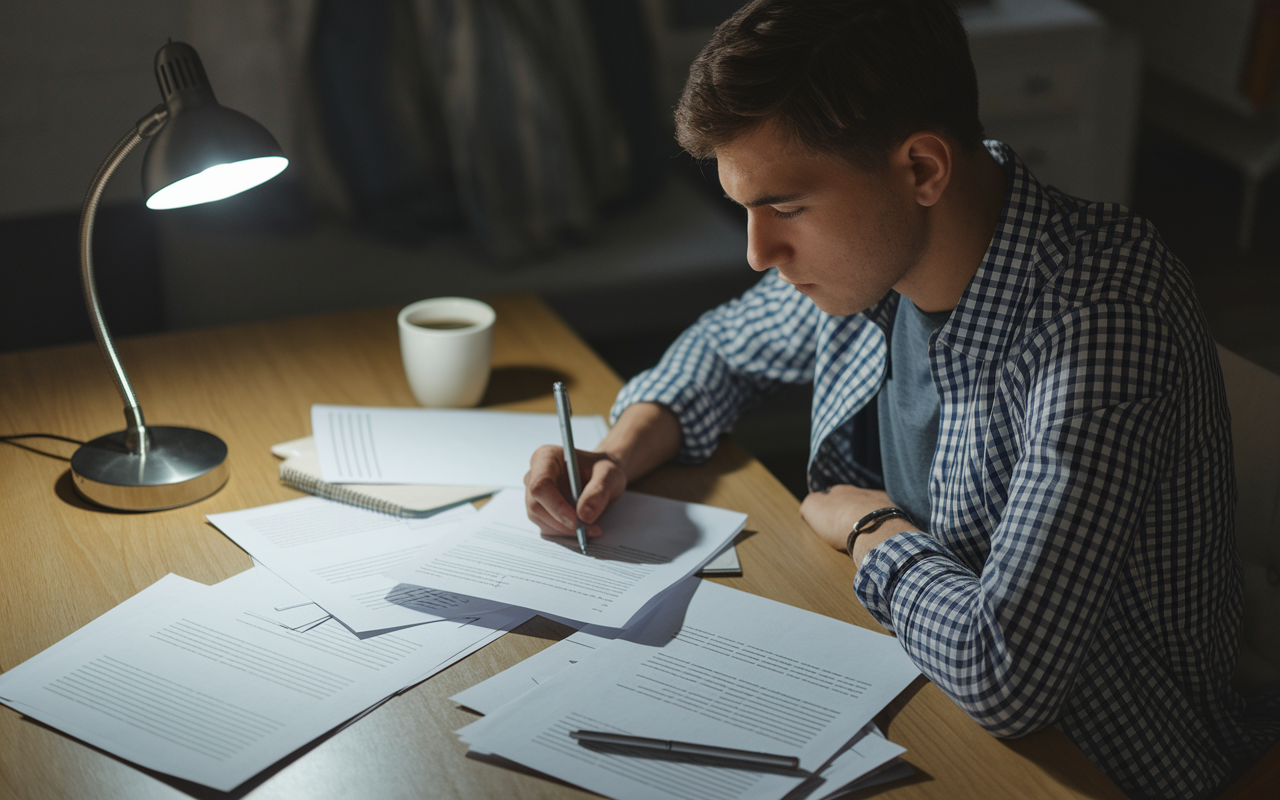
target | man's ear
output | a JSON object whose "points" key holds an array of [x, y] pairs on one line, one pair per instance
{"points": [[926, 156]]}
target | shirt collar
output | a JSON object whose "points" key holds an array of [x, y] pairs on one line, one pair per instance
{"points": [[1015, 264]]}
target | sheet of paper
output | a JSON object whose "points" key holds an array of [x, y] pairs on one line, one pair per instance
{"points": [[295, 619], [725, 563], [741, 671], [868, 760], [444, 447], [856, 766], [337, 556], [179, 681], [515, 681], [856, 762], [649, 545], [484, 631], [274, 600], [509, 685], [895, 770], [255, 590]]}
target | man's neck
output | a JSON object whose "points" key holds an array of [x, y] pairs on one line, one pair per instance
{"points": [[961, 226]]}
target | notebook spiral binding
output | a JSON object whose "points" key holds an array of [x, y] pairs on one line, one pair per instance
{"points": [[330, 491]]}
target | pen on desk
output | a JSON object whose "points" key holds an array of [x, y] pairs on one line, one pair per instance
{"points": [[564, 412], [750, 756]]}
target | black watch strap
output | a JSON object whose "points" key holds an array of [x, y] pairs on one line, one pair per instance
{"points": [[872, 521]]}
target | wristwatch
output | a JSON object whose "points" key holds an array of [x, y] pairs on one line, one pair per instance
{"points": [[872, 521]]}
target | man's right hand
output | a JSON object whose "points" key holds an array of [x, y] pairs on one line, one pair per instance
{"points": [[645, 436], [547, 492]]}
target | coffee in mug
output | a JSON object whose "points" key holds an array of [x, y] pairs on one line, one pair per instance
{"points": [[444, 324]]}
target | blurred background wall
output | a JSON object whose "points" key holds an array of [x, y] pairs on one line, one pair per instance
{"points": [[392, 194]]}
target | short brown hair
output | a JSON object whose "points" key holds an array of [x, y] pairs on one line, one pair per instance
{"points": [[851, 78]]}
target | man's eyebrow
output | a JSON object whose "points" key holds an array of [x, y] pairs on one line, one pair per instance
{"points": [[769, 200]]}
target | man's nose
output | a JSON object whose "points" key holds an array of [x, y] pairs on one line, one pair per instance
{"points": [[766, 247]]}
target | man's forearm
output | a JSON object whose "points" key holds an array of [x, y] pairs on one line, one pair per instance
{"points": [[645, 436]]}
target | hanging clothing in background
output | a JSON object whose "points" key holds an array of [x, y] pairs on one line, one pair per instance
{"points": [[380, 120], [524, 120], [628, 69], [535, 144]]}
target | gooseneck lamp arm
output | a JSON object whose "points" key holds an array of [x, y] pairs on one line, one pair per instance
{"points": [[136, 439]]}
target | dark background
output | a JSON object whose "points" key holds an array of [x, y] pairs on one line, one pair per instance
{"points": [[1193, 199]]}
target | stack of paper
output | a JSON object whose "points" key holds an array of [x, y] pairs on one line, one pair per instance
{"points": [[188, 679], [374, 572], [649, 545], [713, 666], [346, 607], [283, 605], [337, 556]]}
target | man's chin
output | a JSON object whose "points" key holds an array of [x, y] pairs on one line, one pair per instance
{"points": [[829, 305]]}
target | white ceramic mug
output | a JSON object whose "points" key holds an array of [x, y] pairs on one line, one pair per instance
{"points": [[446, 344]]}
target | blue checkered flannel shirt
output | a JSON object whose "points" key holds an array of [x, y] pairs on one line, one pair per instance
{"points": [[1080, 568]]}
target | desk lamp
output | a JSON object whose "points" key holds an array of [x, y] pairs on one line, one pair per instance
{"points": [[200, 151]]}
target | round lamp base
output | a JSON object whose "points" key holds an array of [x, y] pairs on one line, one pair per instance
{"points": [[182, 466]]}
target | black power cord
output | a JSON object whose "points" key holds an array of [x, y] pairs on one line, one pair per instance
{"points": [[39, 436], [12, 439]]}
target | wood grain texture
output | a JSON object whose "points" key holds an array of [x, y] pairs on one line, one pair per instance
{"points": [[66, 562]]}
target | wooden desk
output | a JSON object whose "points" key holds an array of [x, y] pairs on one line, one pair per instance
{"points": [[64, 562]]}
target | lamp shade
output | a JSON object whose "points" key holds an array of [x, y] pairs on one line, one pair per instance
{"points": [[205, 151]]}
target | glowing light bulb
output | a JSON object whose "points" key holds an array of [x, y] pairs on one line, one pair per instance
{"points": [[217, 182]]}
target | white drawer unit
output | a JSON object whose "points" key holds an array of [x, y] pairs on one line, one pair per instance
{"points": [[1021, 90], [1061, 88], [1051, 148]]}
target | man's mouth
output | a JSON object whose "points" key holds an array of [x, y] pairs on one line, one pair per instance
{"points": [[796, 284]]}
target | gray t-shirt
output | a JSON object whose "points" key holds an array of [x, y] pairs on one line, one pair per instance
{"points": [[908, 408]]}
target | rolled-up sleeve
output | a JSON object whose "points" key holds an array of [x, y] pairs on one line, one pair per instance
{"points": [[728, 361]]}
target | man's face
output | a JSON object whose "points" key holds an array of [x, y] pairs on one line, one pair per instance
{"points": [[840, 235]]}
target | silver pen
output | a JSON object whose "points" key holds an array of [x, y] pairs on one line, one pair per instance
{"points": [[749, 756], [564, 412]]}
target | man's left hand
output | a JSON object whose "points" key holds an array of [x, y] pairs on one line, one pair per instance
{"points": [[833, 513]]}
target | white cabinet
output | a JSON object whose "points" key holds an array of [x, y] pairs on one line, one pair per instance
{"points": [[1060, 87]]}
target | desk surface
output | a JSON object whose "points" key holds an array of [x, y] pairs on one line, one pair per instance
{"points": [[65, 562]]}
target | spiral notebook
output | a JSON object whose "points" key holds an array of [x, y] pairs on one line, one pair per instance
{"points": [[301, 470]]}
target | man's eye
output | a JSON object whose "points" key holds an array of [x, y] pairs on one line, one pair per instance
{"points": [[787, 214]]}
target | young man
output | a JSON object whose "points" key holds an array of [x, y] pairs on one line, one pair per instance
{"points": [[1054, 541]]}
